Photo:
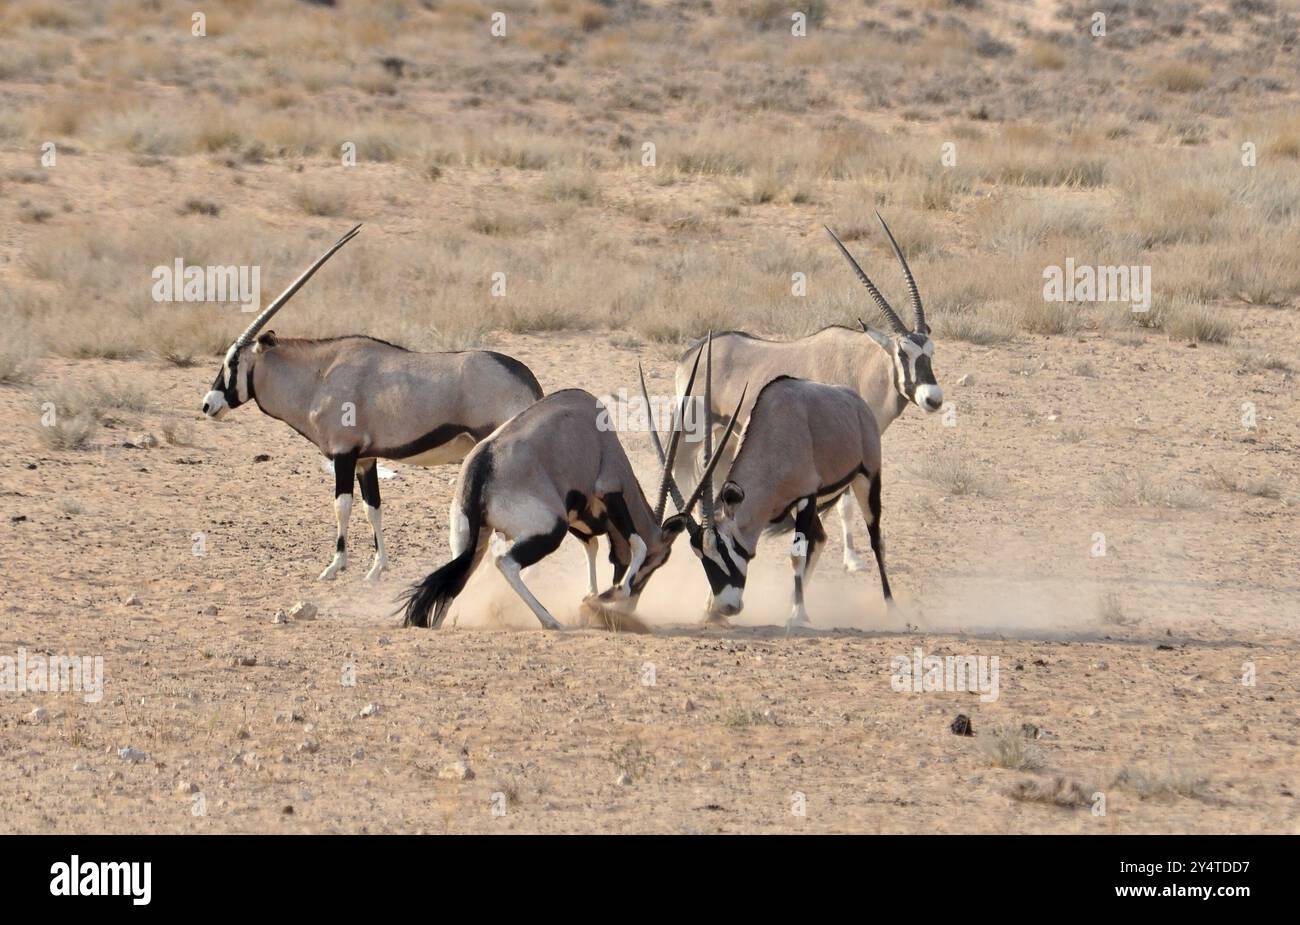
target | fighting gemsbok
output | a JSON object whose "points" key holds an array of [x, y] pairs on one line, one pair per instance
{"points": [[548, 471], [889, 370], [361, 400], [805, 444]]}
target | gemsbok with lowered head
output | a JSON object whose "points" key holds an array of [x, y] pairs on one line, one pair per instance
{"points": [[888, 369], [804, 445], [360, 400], [549, 471]]}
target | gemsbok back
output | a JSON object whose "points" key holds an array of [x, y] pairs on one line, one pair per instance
{"points": [[360, 400], [548, 471], [888, 370], [805, 443]]}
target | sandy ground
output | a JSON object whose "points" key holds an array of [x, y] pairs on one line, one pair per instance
{"points": [[1130, 664]]}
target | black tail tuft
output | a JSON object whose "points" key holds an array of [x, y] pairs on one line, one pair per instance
{"points": [[430, 597]]}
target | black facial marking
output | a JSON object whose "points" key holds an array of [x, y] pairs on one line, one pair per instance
{"points": [[718, 578], [227, 382], [924, 373]]}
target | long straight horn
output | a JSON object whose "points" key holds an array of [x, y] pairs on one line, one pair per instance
{"points": [[654, 435], [722, 445], [260, 321], [674, 439], [706, 506], [893, 319], [913, 294]]}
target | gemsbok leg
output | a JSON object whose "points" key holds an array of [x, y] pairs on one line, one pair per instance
{"points": [[844, 507], [368, 476], [523, 553], [345, 468], [867, 492], [809, 538]]}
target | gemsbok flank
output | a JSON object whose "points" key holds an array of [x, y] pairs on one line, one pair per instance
{"points": [[361, 400], [548, 471], [888, 370], [805, 443]]}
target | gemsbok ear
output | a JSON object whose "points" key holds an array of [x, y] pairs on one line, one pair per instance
{"points": [[264, 341], [882, 339], [675, 524], [732, 494]]}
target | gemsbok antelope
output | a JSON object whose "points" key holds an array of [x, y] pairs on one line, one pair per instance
{"points": [[361, 400], [888, 370], [805, 444], [547, 471]]}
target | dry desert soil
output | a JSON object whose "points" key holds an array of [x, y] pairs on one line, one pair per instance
{"points": [[1132, 666]]}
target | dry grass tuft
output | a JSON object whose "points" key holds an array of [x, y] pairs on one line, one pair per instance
{"points": [[320, 199], [1008, 747], [1179, 77], [951, 471], [1170, 782], [1058, 791]]}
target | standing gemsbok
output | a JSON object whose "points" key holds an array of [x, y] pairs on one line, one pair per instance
{"points": [[548, 471], [361, 400], [888, 370], [805, 444]]}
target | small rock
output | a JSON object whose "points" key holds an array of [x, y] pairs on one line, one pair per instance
{"points": [[310, 746], [243, 661], [961, 726], [302, 611], [967, 379], [288, 811], [210, 610], [457, 770], [358, 753], [133, 600], [280, 618], [689, 705], [711, 764], [82, 766], [623, 779], [371, 709], [262, 457], [133, 755], [186, 786], [145, 441], [1030, 731], [37, 716]]}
